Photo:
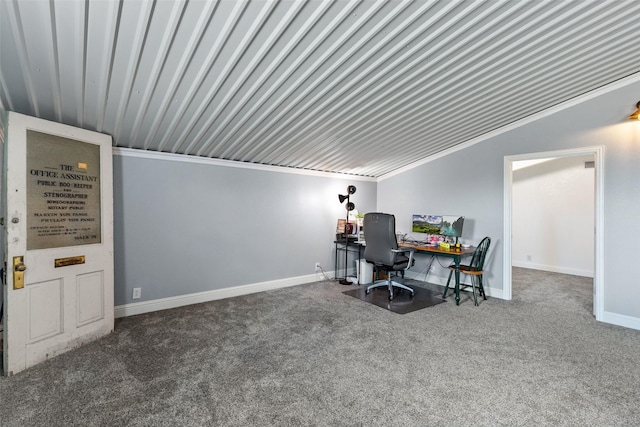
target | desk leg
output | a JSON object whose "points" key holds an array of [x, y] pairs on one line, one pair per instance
{"points": [[335, 263], [457, 261], [360, 256]]}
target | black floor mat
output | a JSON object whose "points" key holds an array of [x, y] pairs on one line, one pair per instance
{"points": [[402, 301]]}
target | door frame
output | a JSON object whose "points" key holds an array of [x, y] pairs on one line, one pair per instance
{"points": [[598, 273]]}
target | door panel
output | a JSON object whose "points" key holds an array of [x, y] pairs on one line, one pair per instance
{"points": [[59, 218], [44, 310], [90, 298]]}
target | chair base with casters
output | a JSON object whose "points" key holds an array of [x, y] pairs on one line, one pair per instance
{"points": [[389, 284], [473, 269]]}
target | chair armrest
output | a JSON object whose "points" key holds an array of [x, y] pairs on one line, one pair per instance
{"points": [[405, 249], [411, 252]]}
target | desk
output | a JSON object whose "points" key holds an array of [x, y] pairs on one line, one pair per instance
{"points": [[451, 253], [353, 247]]}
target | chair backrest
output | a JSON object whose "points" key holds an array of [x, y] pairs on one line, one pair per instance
{"points": [[477, 260], [380, 238]]}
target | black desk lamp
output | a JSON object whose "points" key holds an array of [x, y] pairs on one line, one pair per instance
{"points": [[349, 207]]}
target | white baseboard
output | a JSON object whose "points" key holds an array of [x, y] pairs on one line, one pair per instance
{"points": [[181, 300], [621, 320], [442, 281], [553, 268]]}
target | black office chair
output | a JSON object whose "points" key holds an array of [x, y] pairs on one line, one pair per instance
{"points": [[473, 269], [381, 249]]}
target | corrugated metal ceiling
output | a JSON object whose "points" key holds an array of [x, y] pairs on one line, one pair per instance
{"points": [[358, 87]]}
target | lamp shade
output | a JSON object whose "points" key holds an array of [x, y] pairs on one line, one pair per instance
{"points": [[342, 198]]}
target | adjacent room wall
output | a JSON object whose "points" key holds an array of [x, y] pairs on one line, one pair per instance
{"points": [[553, 215], [185, 225], [470, 182]]}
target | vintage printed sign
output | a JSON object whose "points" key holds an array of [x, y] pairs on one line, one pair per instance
{"points": [[63, 192]]}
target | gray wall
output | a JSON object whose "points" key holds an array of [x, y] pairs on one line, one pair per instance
{"points": [[470, 182], [183, 227]]}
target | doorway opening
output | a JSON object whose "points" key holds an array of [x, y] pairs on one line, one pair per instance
{"points": [[595, 153]]}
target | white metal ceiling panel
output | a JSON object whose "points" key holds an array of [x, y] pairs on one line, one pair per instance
{"points": [[39, 52], [69, 49], [166, 18], [359, 87], [100, 25], [16, 97]]}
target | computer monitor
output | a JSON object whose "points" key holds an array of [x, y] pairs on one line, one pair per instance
{"points": [[451, 226], [428, 224]]}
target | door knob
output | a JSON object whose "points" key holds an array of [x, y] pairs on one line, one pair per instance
{"points": [[18, 272]]}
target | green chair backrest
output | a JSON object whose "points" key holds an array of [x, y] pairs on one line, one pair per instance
{"points": [[477, 260]]}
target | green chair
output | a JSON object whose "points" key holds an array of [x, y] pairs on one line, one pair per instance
{"points": [[473, 269]]}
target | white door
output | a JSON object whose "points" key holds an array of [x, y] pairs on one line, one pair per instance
{"points": [[59, 230]]}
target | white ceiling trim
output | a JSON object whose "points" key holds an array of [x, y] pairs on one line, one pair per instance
{"points": [[184, 158]]}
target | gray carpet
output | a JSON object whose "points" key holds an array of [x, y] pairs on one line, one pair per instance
{"points": [[310, 355]]}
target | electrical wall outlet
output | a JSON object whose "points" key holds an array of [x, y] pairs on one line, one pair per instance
{"points": [[137, 293], [318, 268]]}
